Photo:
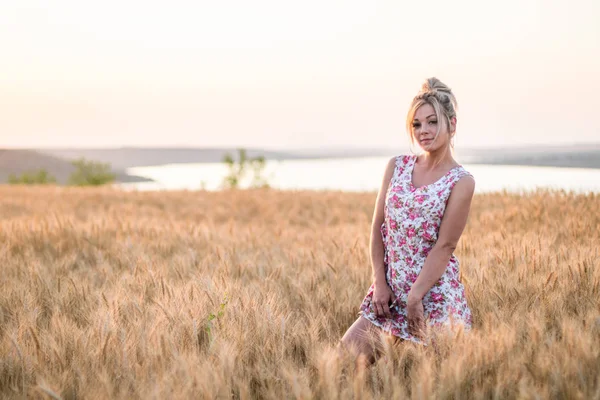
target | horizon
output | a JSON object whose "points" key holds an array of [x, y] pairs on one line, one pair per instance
{"points": [[294, 76], [514, 146]]}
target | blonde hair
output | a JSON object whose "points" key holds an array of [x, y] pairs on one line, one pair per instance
{"points": [[440, 97]]}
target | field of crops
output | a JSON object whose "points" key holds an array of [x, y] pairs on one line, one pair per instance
{"points": [[245, 294]]}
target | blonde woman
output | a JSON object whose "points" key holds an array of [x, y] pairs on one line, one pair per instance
{"points": [[420, 213]]}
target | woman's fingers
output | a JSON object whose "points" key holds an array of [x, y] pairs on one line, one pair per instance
{"points": [[416, 321], [382, 307], [378, 309], [416, 326], [382, 295], [382, 310], [386, 311]]}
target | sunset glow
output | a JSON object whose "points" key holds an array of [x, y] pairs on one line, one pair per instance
{"points": [[281, 75]]}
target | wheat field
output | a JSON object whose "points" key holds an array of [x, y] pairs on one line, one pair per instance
{"points": [[245, 294]]}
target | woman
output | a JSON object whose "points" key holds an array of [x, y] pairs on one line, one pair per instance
{"points": [[420, 213]]}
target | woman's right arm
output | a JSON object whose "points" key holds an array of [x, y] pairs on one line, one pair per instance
{"points": [[382, 295]]}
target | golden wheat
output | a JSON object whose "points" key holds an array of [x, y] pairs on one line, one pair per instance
{"points": [[245, 294]]}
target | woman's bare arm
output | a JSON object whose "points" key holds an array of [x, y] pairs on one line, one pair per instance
{"points": [[451, 228], [376, 248], [382, 294]]}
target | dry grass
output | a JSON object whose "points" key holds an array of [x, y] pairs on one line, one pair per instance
{"points": [[106, 294]]}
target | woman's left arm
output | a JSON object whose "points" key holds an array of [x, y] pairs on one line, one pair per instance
{"points": [[452, 225]]}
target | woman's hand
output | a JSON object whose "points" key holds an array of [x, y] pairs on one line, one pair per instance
{"points": [[382, 298], [414, 313]]}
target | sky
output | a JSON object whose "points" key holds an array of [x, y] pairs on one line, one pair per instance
{"points": [[285, 75]]}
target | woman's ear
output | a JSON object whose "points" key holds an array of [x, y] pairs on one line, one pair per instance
{"points": [[452, 125]]}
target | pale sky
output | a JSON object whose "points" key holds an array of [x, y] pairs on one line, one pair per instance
{"points": [[282, 74]]}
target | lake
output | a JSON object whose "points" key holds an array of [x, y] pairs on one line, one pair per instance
{"points": [[361, 174]]}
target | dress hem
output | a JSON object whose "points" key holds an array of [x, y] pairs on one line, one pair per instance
{"points": [[389, 331]]}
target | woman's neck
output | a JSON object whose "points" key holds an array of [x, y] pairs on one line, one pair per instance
{"points": [[439, 157]]}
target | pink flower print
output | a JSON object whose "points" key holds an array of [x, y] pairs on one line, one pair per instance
{"points": [[437, 297], [420, 199], [411, 232], [454, 283], [427, 236], [393, 224], [435, 314], [426, 250], [389, 242], [412, 277]]}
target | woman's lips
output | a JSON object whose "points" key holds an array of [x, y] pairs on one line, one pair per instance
{"points": [[426, 141]]}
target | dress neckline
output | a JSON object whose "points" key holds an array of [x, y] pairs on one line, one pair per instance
{"points": [[412, 168]]}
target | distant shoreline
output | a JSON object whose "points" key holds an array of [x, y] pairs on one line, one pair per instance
{"points": [[58, 161], [578, 156]]}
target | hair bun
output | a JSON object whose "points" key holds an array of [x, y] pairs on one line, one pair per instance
{"points": [[433, 84], [434, 87]]}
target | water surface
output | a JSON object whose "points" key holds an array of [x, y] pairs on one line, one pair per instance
{"points": [[360, 174]]}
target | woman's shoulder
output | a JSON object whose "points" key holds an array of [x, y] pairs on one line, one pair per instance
{"points": [[396, 164], [463, 172], [463, 179], [398, 160], [402, 158]]}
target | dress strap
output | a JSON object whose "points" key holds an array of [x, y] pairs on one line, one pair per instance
{"points": [[458, 174], [402, 160], [401, 163]]}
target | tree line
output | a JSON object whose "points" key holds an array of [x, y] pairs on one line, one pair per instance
{"points": [[93, 173], [86, 173]]}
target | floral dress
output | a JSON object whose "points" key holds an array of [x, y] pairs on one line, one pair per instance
{"points": [[412, 218]]}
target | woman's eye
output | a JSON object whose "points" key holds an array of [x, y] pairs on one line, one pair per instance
{"points": [[416, 125], [433, 122]]}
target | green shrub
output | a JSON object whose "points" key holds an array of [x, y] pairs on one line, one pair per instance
{"points": [[91, 173], [40, 177], [239, 170]]}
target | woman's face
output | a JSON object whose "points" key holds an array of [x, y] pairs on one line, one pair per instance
{"points": [[425, 126]]}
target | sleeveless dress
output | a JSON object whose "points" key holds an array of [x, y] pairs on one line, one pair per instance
{"points": [[412, 218]]}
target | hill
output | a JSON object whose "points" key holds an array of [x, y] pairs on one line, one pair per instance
{"points": [[129, 157], [575, 156], [17, 162], [138, 157]]}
